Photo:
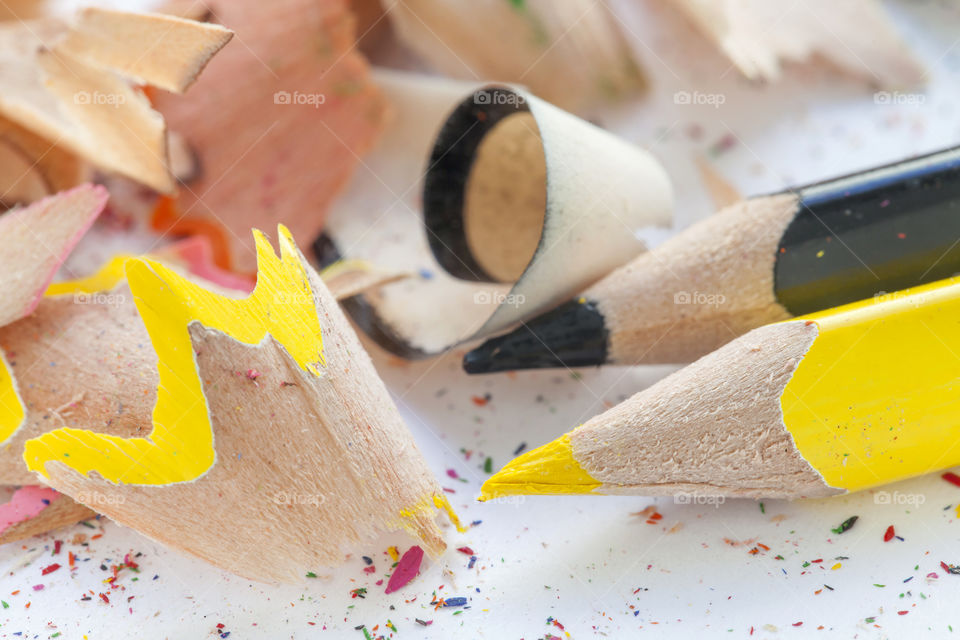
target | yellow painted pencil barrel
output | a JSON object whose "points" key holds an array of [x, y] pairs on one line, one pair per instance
{"points": [[877, 397], [870, 395]]}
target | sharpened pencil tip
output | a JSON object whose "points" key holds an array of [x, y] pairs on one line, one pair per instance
{"points": [[549, 470], [572, 335]]}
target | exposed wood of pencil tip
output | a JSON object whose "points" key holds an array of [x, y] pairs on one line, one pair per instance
{"points": [[698, 290], [714, 428]]}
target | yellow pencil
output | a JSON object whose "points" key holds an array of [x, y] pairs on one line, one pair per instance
{"points": [[837, 401]]}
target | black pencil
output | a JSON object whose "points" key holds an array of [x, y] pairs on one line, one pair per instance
{"points": [[762, 260]]}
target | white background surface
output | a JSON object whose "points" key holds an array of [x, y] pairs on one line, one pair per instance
{"points": [[586, 561]]}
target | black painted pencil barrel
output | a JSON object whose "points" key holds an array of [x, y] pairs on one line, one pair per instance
{"points": [[871, 233]]}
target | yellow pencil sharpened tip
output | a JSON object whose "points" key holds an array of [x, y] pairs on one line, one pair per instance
{"points": [[550, 469]]}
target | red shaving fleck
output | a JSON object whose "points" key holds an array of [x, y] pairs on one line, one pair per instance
{"points": [[479, 401], [888, 536], [50, 569], [71, 559], [902, 613], [901, 235], [952, 478], [104, 597], [656, 516], [646, 513], [406, 569], [370, 569], [763, 546], [466, 551], [797, 624], [253, 374], [56, 546]]}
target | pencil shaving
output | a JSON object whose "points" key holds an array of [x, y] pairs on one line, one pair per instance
{"points": [[33, 168], [570, 53], [302, 112], [33, 510], [36, 240], [308, 477], [159, 50], [522, 202], [71, 86], [854, 35]]}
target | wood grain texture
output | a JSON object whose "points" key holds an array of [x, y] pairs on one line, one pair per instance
{"points": [[268, 158], [82, 361], [35, 242], [66, 86], [61, 512], [714, 428], [570, 53], [698, 290], [314, 466], [759, 36], [163, 51]]}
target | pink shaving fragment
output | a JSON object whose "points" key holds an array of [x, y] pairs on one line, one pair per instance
{"points": [[406, 570], [25, 503], [198, 254]]}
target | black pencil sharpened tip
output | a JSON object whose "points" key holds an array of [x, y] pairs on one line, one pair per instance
{"points": [[572, 335]]}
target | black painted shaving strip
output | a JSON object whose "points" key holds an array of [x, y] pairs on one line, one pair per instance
{"points": [[445, 183], [363, 314]]}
